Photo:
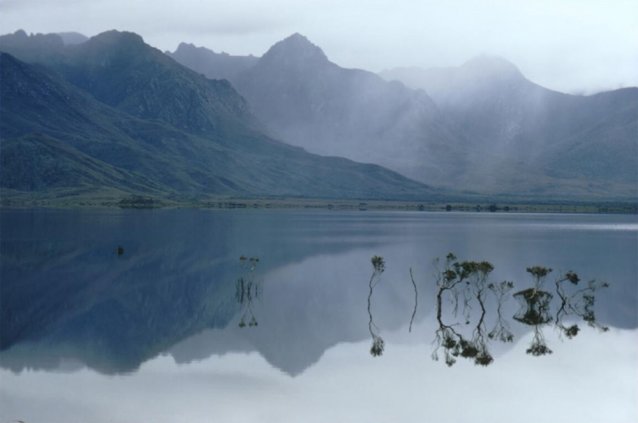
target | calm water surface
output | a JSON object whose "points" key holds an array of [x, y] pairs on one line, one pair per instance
{"points": [[260, 316]]}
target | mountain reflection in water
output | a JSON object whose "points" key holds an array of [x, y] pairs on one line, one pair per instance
{"points": [[111, 290]]}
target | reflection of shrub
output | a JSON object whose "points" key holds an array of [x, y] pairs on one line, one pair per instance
{"points": [[483, 359], [465, 282], [377, 346], [538, 349], [572, 331], [378, 264], [468, 350], [247, 290], [534, 306]]}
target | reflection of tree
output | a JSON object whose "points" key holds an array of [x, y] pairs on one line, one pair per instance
{"points": [[538, 345], [378, 267], [247, 290], [461, 300], [578, 303], [470, 278], [416, 300], [483, 357], [501, 330], [534, 309]]}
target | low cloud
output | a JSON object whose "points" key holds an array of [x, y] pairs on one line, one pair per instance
{"points": [[568, 45]]}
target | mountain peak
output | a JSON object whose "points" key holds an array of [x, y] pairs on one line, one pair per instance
{"points": [[297, 38], [295, 48], [116, 37], [187, 47], [491, 66], [21, 34]]}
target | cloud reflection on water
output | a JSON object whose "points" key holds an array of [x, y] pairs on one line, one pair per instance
{"points": [[580, 383]]}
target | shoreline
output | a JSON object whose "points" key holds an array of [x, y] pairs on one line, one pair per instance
{"points": [[478, 206]]}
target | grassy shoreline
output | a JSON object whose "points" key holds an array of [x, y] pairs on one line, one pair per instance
{"points": [[480, 205]]}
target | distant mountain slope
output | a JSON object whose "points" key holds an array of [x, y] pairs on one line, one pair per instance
{"points": [[34, 47], [592, 140], [78, 141], [119, 69], [485, 127], [306, 100], [71, 38], [212, 65]]}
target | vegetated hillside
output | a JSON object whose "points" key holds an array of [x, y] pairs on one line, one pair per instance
{"points": [[587, 142], [120, 70], [115, 114]]}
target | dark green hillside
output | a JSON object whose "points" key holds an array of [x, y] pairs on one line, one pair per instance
{"points": [[55, 135], [37, 162], [120, 70]]}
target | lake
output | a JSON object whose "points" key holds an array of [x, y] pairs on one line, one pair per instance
{"points": [[277, 315]]}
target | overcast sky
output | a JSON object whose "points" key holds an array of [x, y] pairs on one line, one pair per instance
{"points": [[567, 45]]}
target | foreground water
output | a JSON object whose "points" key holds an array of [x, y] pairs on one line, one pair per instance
{"points": [[195, 315]]}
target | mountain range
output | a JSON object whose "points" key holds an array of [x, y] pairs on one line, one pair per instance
{"points": [[567, 137], [114, 115], [306, 100], [111, 115], [481, 127]]}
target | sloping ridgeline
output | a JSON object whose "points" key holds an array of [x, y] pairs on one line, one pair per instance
{"points": [[114, 116]]}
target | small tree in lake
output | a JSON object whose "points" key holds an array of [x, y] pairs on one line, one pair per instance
{"points": [[577, 303], [247, 290], [469, 280], [378, 267], [534, 309]]}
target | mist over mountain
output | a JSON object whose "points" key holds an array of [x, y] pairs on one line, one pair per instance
{"points": [[306, 100], [34, 47], [114, 114], [309, 101], [589, 140], [481, 127]]}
